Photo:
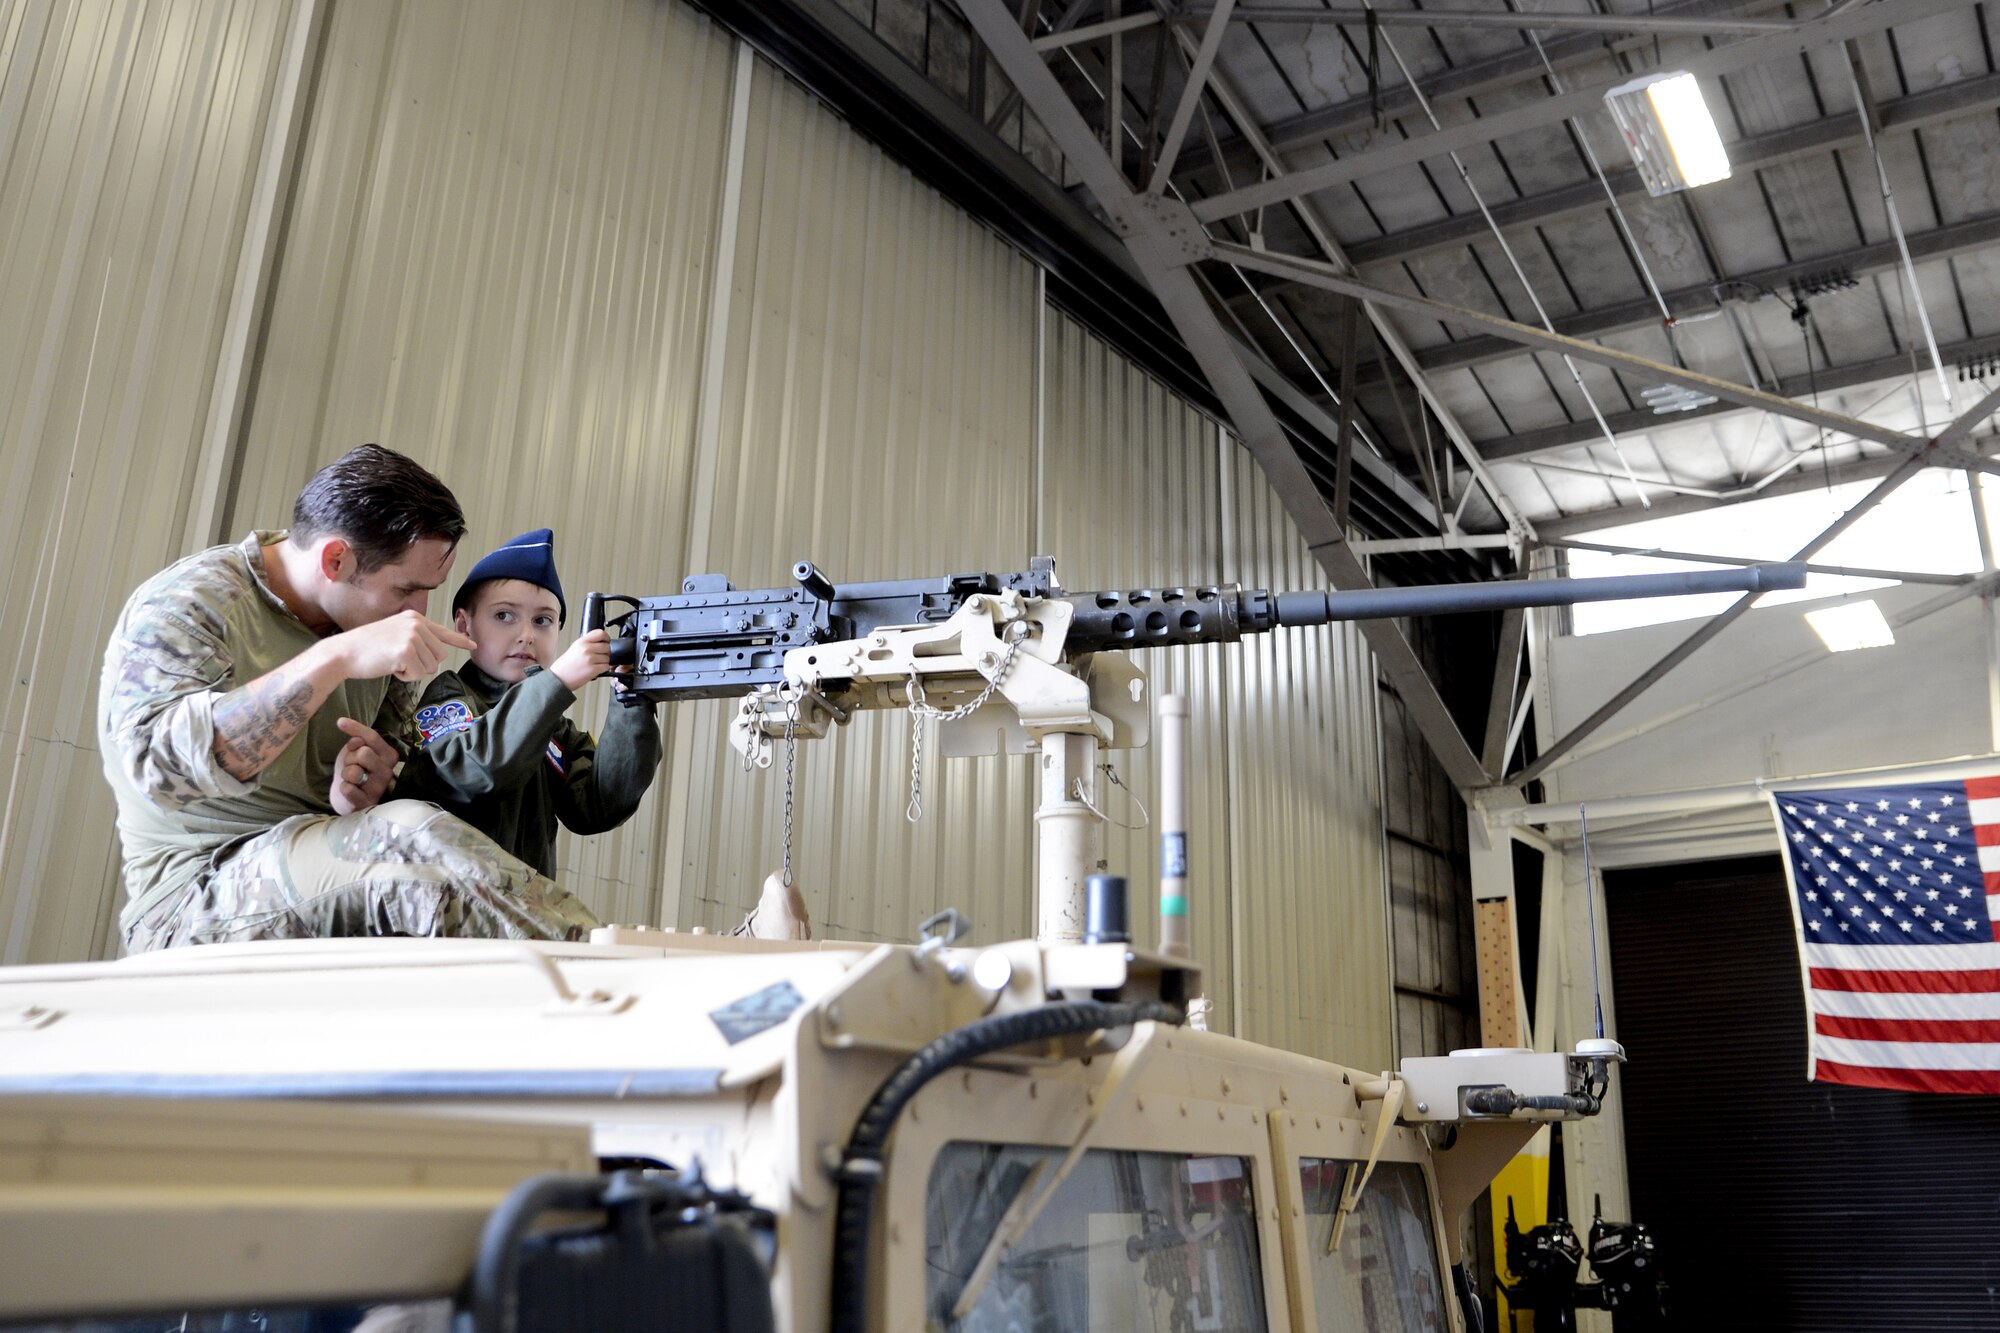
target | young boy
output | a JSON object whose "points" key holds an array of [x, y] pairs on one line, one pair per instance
{"points": [[495, 748]]}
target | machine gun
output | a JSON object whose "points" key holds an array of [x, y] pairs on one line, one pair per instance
{"points": [[807, 657]]}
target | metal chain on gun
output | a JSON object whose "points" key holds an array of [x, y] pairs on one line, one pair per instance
{"points": [[791, 758], [1016, 634]]}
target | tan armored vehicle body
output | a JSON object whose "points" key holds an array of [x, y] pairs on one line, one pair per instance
{"points": [[295, 1124]]}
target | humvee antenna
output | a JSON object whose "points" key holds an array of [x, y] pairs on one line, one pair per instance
{"points": [[1590, 897]]}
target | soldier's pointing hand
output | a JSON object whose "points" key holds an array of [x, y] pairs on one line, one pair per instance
{"points": [[407, 646]]}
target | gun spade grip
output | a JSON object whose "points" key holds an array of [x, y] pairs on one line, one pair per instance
{"points": [[593, 611]]}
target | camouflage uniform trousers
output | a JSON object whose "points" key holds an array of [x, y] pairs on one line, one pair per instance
{"points": [[401, 868]]}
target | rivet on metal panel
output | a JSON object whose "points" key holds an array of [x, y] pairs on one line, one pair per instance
{"points": [[1221, 1113], [1423, 1108], [1225, 1087]]}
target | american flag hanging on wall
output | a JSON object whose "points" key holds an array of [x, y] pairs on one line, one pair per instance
{"points": [[1895, 894]]}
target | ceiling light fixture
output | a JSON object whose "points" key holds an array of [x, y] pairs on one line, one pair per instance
{"points": [[1667, 127], [1851, 625], [1666, 399]]}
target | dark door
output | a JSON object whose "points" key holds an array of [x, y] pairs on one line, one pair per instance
{"points": [[1781, 1203]]}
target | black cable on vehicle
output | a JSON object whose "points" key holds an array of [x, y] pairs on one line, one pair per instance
{"points": [[495, 1294], [862, 1164]]}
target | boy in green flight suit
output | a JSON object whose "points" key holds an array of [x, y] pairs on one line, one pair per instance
{"points": [[496, 749]]}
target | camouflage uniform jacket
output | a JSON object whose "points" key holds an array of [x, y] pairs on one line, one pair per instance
{"points": [[190, 635], [505, 760]]}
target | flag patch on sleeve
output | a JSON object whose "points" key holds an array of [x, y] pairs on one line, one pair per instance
{"points": [[556, 758], [442, 719]]}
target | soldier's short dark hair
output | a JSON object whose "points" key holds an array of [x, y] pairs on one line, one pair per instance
{"points": [[379, 502]]}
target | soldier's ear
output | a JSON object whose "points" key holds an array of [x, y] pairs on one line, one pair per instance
{"points": [[335, 557], [461, 620]]}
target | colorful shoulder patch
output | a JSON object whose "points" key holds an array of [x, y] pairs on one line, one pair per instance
{"points": [[443, 719], [556, 758]]}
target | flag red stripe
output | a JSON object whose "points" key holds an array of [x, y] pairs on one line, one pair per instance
{"points": [[1980, 789], [1909, 1080], [1907, 1029], [1986, 835], [1973, 981], [1992, 881]]}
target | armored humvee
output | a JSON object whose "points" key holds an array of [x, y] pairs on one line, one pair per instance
{"points": [[673, 1129]]}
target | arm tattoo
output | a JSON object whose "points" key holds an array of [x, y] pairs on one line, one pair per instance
{"points": [[255, 723]]}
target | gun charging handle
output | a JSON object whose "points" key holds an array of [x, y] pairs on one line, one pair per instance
{"points": [[624, 639], [814, 580]]}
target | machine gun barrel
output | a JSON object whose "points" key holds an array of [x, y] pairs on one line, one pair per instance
{"points": [[1149, 617], [713, 640]]}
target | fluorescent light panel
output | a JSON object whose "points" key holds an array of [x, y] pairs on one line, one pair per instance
{"points": [[1851, 625], [1672, 138]]}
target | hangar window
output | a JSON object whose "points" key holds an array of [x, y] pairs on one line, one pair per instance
{"points": [[1130, 1240]]}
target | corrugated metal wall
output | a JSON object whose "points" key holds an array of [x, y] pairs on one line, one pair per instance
{"points": [[129, 140], [1310, 941], [875, 415], [574, 261]]}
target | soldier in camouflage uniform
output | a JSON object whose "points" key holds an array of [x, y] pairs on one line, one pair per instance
{"points": [[251, 705]]}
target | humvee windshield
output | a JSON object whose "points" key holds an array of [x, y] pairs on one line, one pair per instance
{"points": [[1384, 1276], [1130, 1240]]}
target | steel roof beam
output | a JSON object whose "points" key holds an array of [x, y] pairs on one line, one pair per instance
{"points": [[1832, 134], [1323, 275], [1467, 81], [1873, 467], [1750, 52], [1525, 20], [1163, 239], [1386, 333], [1576, 434], [1699, 298], [1869, 468]]}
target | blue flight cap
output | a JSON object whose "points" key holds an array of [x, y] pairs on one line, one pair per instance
{"points": [[530, 557]]}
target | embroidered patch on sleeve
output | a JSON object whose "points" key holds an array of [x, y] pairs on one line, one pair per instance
{"points": [[556, 758], [442, 719]]}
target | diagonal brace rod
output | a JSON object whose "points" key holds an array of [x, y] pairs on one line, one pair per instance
{"points": [[1316, 274]]}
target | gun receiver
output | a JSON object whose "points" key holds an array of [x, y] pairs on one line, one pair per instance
{"points": [[713, 640]]}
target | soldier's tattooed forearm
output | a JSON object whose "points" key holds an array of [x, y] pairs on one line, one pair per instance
{"points": [[255, 723]]}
